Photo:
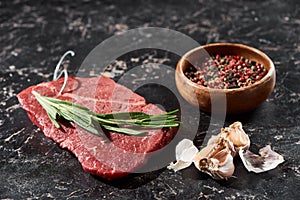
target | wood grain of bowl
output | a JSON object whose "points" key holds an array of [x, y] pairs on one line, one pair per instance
{"points": [[238, 100]]}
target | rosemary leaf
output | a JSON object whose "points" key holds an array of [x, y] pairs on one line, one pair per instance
{"points": [[122, 122], [56, 124], [124, 130]]}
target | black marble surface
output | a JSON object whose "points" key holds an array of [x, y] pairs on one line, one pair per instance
{"points": [[33, 36]]}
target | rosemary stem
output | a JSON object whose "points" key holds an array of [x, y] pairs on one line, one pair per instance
{"points": [[118, 122]]}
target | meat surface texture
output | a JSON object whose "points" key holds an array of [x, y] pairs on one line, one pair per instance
{"points": [[112, 156]]}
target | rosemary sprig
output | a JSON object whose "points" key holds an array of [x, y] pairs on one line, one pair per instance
{"points": [[122, 122]]}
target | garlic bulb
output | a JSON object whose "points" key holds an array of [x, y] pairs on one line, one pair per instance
{"points": [[216, 159], [219, 165]]}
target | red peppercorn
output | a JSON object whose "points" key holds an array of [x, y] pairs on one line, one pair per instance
{"points": [[232, 63], [229, 71]]}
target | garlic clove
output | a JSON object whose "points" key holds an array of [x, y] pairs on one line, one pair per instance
{"points": [[208, 166], [267, 160], [225, 143], [236, 135], [204, 153], [227, 169], [218, 165], [185, 152], [222, 156], [214, 146]]}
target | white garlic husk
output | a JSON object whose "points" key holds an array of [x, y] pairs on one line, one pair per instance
{"points": [[185, 153], [267, 160]]}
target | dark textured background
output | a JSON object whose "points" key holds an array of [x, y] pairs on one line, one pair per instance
{"points": [[33, 36]]}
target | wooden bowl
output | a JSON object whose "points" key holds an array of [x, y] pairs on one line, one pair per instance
{"points": [[237, 100]]}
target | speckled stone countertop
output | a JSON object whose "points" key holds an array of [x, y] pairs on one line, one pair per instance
{"points": [[33, 36]]}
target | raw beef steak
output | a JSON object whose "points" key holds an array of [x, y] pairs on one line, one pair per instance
{"points": [[113, 155]]}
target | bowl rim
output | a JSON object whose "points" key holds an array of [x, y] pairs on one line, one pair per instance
{"points": [[256, 51]]}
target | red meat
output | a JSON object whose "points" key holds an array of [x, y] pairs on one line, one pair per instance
{"points": [[111, 156]]}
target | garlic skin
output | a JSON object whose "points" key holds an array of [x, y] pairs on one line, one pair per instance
{"points": [[185, 152], [267, 160]]}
